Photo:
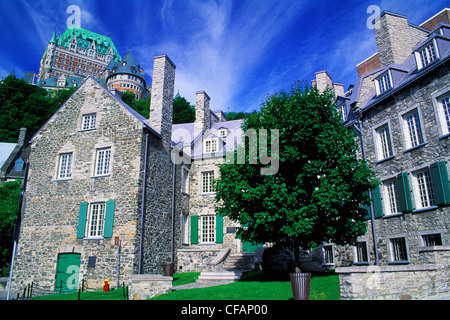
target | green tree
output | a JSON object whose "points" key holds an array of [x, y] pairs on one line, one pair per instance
{"points": [[129, 98], [183, 112], [236, 115], [9, 206], [27, 106], [317, 193]]}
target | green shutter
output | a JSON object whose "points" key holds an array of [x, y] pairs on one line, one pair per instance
{"points": [[441, 187], [219, 228], [377, 204], [367, 208], [82, 220], [404, 192], [109, 219], [194, 229]]}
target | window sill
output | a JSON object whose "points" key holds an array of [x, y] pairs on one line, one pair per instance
{"points": [[397, 214], [399, 262], [433, 248], [385, 159], [207, 194], [415, 147], [102, 176], [87, 130], [62, 179], [361, 263], [425, 209], [94, 238], [445, 136]]}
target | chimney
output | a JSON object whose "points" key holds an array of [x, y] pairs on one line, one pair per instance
{"points": [[338, 89], [161, 105], [323, 81], [202, 112], [396, 38]]}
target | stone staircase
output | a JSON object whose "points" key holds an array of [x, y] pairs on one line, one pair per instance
{"points": [[232, 269]]}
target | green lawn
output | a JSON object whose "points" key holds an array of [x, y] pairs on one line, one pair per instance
{"points": [[259, 286], [252, 286]]}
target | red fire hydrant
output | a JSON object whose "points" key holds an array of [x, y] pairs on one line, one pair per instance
{"points": [[106, 285]]}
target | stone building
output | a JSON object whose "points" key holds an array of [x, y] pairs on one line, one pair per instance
{"points": [[399, 108], [100, 175]]}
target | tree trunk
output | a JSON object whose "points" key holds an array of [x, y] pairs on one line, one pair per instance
{"points": [[297, 257]]}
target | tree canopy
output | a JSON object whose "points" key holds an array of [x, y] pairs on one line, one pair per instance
{"points": [[23, 105], [317, 193]]}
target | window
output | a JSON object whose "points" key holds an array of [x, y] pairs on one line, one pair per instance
{"points": [[65, 166], [412, 129], [383, 83], [361, 255], [185, 229], [328, 254], [431, 240], [96, 220], [383, 143], [88, 121], [391, 199], [18, 165], [102, 162], [211, 145], [222, 133], [341, 110], [208, 229], [398, 249], [185, 180], [423, 189], [207, 178], [426, 55], [444, 114]]}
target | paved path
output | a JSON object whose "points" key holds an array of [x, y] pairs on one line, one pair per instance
{"points": [[200, 284]]}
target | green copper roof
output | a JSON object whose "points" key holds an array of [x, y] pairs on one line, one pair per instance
{"points": [[85, 38]]}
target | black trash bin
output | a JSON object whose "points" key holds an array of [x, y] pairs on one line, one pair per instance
{"points": [[168, 269], [300, 285]]}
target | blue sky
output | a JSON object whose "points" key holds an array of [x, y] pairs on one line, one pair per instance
{"points": [[237, 51]]}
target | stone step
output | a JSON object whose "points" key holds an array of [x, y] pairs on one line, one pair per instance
{"points": [[220, 275], [244, 261]]}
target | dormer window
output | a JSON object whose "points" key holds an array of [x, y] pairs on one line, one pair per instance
{"points": [[210, 145], [383, 83], [222, 133], [426, 54], [341, 110]]}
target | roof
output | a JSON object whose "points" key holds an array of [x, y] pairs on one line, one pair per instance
{"points": [[5, 151], [145, 122], [84, 40], [127, 65], [412, 73]]}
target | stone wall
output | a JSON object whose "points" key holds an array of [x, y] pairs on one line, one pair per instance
{"points": [[145, 286], [410, 282], [51, 216]]}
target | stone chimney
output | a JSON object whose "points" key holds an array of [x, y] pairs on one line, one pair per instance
{"points": [[396, 37], [202, 112], [323, 81], [161, 105]]}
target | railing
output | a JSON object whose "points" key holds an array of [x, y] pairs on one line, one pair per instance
{"points": [[34, 290]]}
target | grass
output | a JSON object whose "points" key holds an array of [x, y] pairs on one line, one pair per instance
{"points": [[255, 285], [260, 286]]}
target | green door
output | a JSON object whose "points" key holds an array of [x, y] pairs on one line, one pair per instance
{"points": [[67, 272]]}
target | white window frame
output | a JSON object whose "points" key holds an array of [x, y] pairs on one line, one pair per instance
{"points": [[206, 182], [383, 82], [415, 138], [396, 250], [424, 55], [384, 147], [185, 180], [207, 229], [441, 102], [356, 253], [88, 122], [103, 162], [423, 192], [185, 227], [211, 145], [222, 133], [328, 254], [390, 195], [65, 166], [96, 220]]}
